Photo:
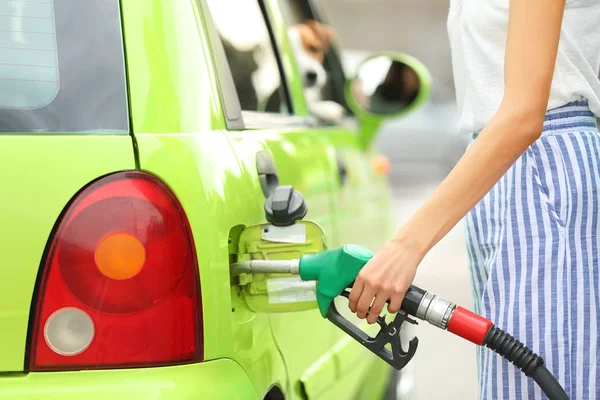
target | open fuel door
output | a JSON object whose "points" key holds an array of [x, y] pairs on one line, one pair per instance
{"points": [[278, 292]]}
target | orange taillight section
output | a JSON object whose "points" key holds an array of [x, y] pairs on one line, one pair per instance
{"points": [[120, 256]]}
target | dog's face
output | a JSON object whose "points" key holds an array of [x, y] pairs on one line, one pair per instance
{"points": [[310, 41]]}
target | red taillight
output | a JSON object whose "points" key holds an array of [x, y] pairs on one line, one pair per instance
{"points": [[120, 285]]}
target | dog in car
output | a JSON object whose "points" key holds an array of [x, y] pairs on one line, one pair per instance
{"points": [[310, 41]]}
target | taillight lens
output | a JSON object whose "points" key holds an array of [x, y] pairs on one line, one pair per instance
{"points": [[120, 285]]}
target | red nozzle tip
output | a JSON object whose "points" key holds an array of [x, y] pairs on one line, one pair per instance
{"points": [[469, 325]]}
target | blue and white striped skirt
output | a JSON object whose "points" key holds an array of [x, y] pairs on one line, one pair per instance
{"points": [[533, 245]]}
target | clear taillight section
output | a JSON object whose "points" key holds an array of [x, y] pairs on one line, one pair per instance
{"points": [[119, 286]]}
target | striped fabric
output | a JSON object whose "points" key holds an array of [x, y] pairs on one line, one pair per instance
{"points": [[533, 245]]}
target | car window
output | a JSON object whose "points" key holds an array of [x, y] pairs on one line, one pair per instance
{"points": [[62, 67], [299, 12], [250, 53]]}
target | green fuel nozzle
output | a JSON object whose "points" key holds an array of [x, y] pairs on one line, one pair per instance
{"points": [[334, 270]]}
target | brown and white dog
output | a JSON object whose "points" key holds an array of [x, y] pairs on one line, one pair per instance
{"points": [[310, 42]]}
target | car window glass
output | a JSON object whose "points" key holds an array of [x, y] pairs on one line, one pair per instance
{"points": [[29, 60], [250, 54], [62, 67]]}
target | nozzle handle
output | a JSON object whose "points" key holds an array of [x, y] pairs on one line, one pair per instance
{"points": [[333, 270], [390, 334], [337, 269]]}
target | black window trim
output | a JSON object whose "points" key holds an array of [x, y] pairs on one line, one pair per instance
{"points": [[235, 117], [283, 77]]}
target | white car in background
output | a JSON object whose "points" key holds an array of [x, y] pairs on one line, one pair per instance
{"points": [[425, 144]]}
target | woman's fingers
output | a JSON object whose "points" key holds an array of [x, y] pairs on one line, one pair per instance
{"points": [[364, 302], [376, 307], [395, 303], [385, 277], [355, 293]]}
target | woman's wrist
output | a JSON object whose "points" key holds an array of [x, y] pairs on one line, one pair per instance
{"points": [[412, 240]]}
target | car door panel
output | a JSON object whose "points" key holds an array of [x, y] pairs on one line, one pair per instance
{"points": [[360, 202], [363, 200], [303, 337], [306, 156], [300, 159]]}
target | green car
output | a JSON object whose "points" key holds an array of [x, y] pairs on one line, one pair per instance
{"points": [[133, 169]]}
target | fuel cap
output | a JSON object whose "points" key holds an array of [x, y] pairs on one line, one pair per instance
{"points": [[285, 206]]}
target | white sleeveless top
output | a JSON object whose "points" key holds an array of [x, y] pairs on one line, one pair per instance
{"points": [[477, 31]]}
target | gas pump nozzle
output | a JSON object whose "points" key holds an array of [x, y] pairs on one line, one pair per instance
{"points": [[337, 269]]}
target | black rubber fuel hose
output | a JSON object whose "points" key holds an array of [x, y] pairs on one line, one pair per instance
{"points": [[479, 330], [526, 360]]}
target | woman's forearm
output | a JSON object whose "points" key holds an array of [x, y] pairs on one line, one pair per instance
{"points": [[532, 44], [497, 147]]}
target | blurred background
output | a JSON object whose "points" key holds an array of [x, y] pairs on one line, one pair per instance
{"points": [[422, 147], [424, 144]]}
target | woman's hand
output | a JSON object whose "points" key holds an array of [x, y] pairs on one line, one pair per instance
{"points": [[387, 276]]}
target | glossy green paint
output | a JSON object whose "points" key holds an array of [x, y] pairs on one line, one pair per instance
{"points": [[32, 200], [366, 381], [218, 380], [348, 370], [184, 145], [378, 375], [169, 68], [364, 201], [217, 196]]}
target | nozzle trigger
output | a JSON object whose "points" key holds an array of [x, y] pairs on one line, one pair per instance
{"points": [[388, 333]]}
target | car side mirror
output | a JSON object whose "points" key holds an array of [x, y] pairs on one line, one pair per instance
{"points": [[387, 85]]}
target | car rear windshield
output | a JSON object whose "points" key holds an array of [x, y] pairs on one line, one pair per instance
{"points": [[62, 67]]}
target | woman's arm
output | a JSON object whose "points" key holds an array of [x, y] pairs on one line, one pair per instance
{"points": [[532, 44]]}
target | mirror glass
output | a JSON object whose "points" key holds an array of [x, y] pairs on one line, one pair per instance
{"points": [[384, 85]]}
